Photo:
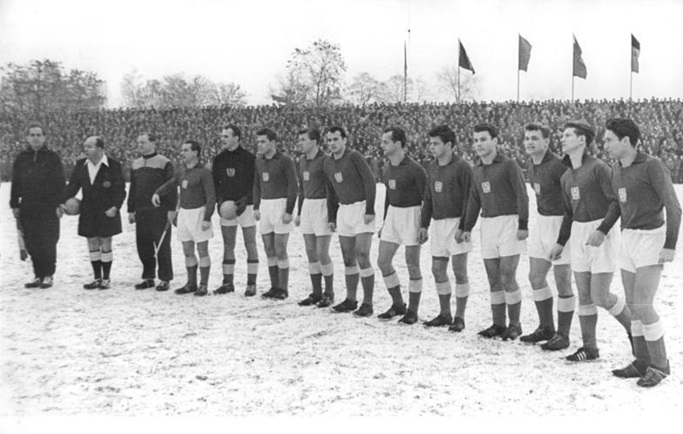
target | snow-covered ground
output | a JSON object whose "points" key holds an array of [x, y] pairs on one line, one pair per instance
{"points": [[67, 351]]}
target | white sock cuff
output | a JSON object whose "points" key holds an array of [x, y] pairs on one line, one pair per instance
{"points": [[252, 267], [443, 288], [327, 269], [272, 262], [542, 294], [637, 328], [314, 268], [190, 261], [205, 261], [462, 290], [618, 306], [391, 281], [95, 255], [228, 268], [283, 263], [367, 272], [107, 256], [653, 332], [566, 304], [588, 309], [351, 270], [498, 297], [415, 285], [513, 297]]}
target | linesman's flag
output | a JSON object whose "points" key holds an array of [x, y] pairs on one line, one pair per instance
{"points": [[579, 67], [524, 53], [635, 54], [464, 60]]}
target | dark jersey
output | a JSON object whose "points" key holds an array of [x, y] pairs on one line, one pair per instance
{"points": [[405, 184], [313, 184], [150, 172], [447, 191], [196, 189], [545, 180], [37, 180], [233, 175], [352, 181], [275, 178]]}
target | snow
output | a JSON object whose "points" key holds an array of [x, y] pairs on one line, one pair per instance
{"points": [[70, 352]]}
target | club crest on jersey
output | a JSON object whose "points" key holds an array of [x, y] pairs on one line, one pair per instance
{"points": [[307, 175], [266, 176], [392, 184], [338, 177], [537, 188], [622, 195], [486, 187], [184, 184], [438, 186], [575, 193], [230, 171]]}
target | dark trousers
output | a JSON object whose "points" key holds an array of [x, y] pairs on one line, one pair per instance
{"points": [[149, 225], [41, 233]]}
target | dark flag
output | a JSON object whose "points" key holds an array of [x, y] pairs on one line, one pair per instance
{"points": [[635, 54], [579, 67], [464, 60], [524, 53]]}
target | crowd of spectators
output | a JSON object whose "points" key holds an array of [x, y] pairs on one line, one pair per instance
{"points": [[660, 121]]}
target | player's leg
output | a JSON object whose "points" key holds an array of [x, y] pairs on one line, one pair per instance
{"points": [[492, 266], [513, 295], [281, 240], [249, 236], [191, 264], [204, 267], [588, 317], [566, 300], [385, 256], [367, 274], [637, 368], [412, 254], [144, 241], [94, 247], [351, 273], [164, 261], [326, 267], [442, 283], [462, 291], [314, 270], [606, 299], [107, 259], [543, 299], [271, 258], [229, 235]]}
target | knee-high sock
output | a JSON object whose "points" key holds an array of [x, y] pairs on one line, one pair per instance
{"points": [[393, 285], [414, 293], [204, 269], [543, 298], [462, 293], [191, 265], [498, 308], [513, 300], [283, 274], [273, 271], [622, 313], [351, 276], [328, 275], [229, 270], [654, 337], [107, 259], [443, 290], [252, 271], [565, 314], [640, 348], [367, 278], [588, 319], [96, 262], [315, 271]]}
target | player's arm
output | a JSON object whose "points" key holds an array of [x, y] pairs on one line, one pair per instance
{"points": [[519, 185], [467, 185], [217, 174], [257, 190], [15, 191], [332, 201], [292, 184], [603, 175], [427, 207], [209, 192], [74, 184], [369, 185], [661, 181], [300, 176], [166, 188]]}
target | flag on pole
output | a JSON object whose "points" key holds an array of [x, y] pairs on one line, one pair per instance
{"points": [[635, 54], [579, 67], [524, 53], [464, 61]]}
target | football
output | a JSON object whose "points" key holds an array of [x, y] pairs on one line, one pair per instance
{"points": [[228, 210], [73, 206]]}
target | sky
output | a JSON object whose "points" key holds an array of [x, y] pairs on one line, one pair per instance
{"points": [[248, 42]]}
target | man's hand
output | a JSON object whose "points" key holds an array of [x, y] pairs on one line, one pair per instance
{"points": [[287, 218], [59, 211], [666, 255], [172, 217], [522, 234], [155, 200], [466, 237], [595, 239], [369, 218], [297, 220], [206, 225], [556, 252], [131, 217], [458, 236], [332, 226], [422, 235], [111, 212], [257, 215]]}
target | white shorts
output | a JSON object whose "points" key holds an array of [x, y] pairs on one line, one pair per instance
{"points": [[351, 220], [401, 225], [443, 243], [190, 225], [543, 237], [245, 220], [499, 237], [640, 248], [601, 259], [314, 218], [272, 211]]}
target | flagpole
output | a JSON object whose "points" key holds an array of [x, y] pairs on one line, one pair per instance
{"points": [[517, 84], [630, 91], [405, 72], [572, 87], [457, 95]]}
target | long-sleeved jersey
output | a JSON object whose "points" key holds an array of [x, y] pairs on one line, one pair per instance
{"points": [[37, 179], [405, 184], [447, 191], [196, 189], [313, 184], [352, 181], [545, 180], [150, 172], [275, 178], [233, 175]]}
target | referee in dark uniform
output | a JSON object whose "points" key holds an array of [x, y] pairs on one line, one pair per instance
{"points": [[150, 172], [37, 185]]}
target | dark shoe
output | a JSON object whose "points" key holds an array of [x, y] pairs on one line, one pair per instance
{"points": [[512, 332], [538, 335], [584, 354], [364, 310], [93, 285], [147, 283], [393, 311], [630, 371], [163, 286], [492, 332], [653, 376], [346, 306], [105, 284], [439, 321], [458, 325], [35, 283], [270, 293], [224, 289], [250, 291], [281, 294], [409, 318], [201, 291], [187, 289], [310, 300], [47, 282], [326, 301], [557, 343]]}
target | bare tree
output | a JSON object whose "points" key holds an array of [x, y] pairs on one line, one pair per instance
{"points": [[467, 89], [366, 89], [396, 88]]}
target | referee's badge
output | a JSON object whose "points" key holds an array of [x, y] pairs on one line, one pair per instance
{"points": [[392, 184], [575, 193], [184, 184], [537, 188], [438, 186], [486, 187], [265, 177], [338, 177], [307, 175], [622, 195], [230, 171]]}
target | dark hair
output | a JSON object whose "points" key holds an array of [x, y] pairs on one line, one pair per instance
{"points": [[444, 132], [35, 125], [270, 134], [582, 128], [486, 127], [397, 135], [535, 126], [312, 133], [195, 146], [337, 129], [99, 142], [151, 137], [624, 127], [235, 130]]}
